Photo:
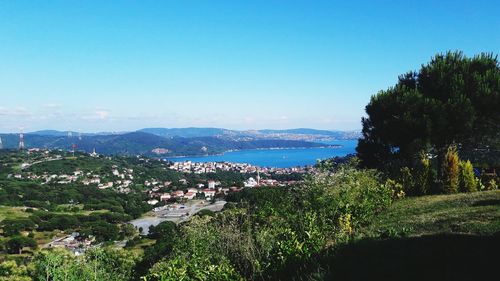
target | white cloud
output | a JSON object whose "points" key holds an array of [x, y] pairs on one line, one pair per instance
{"points": [[99, 114]]}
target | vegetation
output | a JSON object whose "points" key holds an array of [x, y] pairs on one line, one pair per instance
{"points": [[141, 143], [450, 171], [477, 213], [436, 131], [271, 231], [451, 100]]}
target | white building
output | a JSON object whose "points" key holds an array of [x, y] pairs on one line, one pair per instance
{"points": [[251, 182], [211, 184]]}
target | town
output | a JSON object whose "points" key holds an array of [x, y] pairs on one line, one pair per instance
{"points": [[174, 191]]}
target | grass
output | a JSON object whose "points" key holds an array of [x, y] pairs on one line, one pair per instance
{"points": [[466, 213], [141, 245], [440, 237], [12, 212]]}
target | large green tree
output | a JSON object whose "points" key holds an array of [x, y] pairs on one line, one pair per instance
{"points": [[451, 100]]}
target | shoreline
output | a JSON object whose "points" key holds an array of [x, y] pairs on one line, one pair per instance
{"points": [[250, 149]]}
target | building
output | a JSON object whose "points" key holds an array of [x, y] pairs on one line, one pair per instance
{"points": [[178, 194], [211, 184], [189, 195], [153, 202], [165, 197], [251, 182], [209, 193]]}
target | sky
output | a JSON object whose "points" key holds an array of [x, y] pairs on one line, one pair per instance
{"points": [[98, 65]]}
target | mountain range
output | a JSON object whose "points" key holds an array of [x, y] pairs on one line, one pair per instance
{"points": [[174, 141]]}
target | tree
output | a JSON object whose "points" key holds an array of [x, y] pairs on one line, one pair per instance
{"points": [[14, 226], [128, 230], [16, 244], [468, 181], [450, 171], [452, 99], [102, 230], [164, 230]]}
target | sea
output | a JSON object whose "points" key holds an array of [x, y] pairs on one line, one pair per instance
{"points": [[279, 158]]}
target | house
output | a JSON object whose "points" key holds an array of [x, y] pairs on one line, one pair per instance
{"points": [[189, 195], [194, 190], [209, 192], [178, 194], [165, 197], [153, 202]]}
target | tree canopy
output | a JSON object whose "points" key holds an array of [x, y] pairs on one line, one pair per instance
{"points": [[451, 100]]}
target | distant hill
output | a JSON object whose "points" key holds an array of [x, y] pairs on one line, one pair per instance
{"points": [[314, 132], [176, 141], [303, 131], [292, 134], [194, 132], [186, 132], [136, 143]]}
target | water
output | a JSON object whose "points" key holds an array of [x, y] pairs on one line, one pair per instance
{"points": [[279, 158]]}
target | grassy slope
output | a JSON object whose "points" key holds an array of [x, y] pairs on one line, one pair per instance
{"points": [[443, 237], [12, 212], [473, 213]]}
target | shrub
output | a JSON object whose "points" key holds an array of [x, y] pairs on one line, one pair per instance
{"points": [[95, 264], [425, 175], [274, 231], [450, 170], [492, 185], [396, 188], [468, 181], [407, 180]]}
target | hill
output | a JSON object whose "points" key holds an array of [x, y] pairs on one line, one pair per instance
{"points": [[289, 134], [186, 132], [440, 237], [136, 143]]}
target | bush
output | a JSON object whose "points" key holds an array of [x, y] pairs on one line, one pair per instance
{"points": [[274, 231], [468, 181], [396, 189], [450, 171], [95, 264], [492, 185], [425, 175], [205, 212]]}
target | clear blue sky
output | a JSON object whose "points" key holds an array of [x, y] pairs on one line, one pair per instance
{"points": [[123, 65]]}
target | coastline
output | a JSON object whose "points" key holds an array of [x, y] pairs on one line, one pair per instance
{"points": [[250, 149]]}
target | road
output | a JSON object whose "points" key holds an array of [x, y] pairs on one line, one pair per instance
{"points": [[178, 215]]}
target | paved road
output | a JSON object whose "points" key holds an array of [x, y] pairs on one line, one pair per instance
{"points": [[178, 215]]}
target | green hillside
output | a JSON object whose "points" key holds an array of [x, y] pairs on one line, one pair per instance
{"points": [[441, 237]]}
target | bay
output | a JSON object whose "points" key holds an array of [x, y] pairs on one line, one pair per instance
{"points": [[279, 158]]}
